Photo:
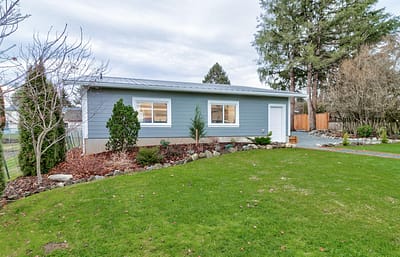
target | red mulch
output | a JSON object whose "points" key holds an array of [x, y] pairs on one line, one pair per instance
{"points": [[84, 167]]}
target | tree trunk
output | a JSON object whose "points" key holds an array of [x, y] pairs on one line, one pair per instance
{"points": [[292, 88], [38, 170], [310, 107], [315, 98]]}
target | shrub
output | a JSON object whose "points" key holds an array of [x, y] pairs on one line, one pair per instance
{"points": [[346, 139], [384, 137], [148, 156], [364, 131], [164, 143], [198, 125], [262, 140], [123, 126]]}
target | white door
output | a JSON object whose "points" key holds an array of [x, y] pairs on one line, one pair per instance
{"points": [[277, 122]]}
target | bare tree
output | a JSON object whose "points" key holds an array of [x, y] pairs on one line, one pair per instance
{"points": [[56, 60], [10, 17], [365, 89]]}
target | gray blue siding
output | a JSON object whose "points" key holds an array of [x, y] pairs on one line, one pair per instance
{"points": [[253, 112]]}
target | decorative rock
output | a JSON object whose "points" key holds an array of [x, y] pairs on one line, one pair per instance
{"points": [[60, 177], [155, 166], [117, 172], [60, 184], [232, 150], [216, 153], [202, 155], [269, 147], [208, 154], [166, 165], [97, 177], [195, 157]]}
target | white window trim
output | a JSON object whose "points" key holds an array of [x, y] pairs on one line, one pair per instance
{"points": [[223, 125], [135, 101]]}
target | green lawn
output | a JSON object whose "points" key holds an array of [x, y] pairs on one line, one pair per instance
{"points": [[287, 202], [387, 148]]}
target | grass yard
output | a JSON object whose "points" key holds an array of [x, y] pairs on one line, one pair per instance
{"points": [[386, 148], [287, 202]]}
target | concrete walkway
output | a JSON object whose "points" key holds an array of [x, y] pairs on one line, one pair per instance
{"points": [[305, 140]]}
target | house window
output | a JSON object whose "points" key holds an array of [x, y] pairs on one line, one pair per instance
{"points": [[223, 113], [153, 112]]}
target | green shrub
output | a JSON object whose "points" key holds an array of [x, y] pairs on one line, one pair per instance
{"points": [[164, 143], [346, 139], [198, 125], [384, 137], [262, 140], [364, 131], [148, 156], [123, 126]]}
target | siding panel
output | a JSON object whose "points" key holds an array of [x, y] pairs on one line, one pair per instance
{"points": [[253, 112]]}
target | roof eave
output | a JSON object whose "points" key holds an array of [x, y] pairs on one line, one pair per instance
{"points": [[187, 90]]}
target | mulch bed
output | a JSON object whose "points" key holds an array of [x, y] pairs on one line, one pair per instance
{"points": [[85, 167]]}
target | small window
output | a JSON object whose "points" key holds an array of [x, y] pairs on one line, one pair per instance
{"points": [[223, 114], [153, 112]]}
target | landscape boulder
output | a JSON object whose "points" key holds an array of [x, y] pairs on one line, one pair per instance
{"points": [[60, 177]]}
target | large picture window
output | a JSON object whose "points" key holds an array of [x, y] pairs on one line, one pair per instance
{"points": [[153, 112], [223, 113]]}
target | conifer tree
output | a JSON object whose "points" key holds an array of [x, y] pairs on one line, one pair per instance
{"points": [[197, 129], [216, 75], [41, 126], [123, 126]]}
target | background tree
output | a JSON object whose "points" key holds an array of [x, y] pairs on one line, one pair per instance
{"points": [[197, 129], [123, 126], [216, 75], [306, 40], [49, 62], [366, 89], [40, 125]]}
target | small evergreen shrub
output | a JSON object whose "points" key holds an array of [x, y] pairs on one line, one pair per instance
{"points": [[384, 137], [164, 143], [123, 126], [148, 156], [346, 141], [262, 140], [198, 125], [364, 131]]}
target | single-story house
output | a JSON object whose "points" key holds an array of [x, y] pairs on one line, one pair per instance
{"points": [[166, 108]]}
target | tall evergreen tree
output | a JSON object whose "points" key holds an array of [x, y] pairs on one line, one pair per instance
{"points": [[41, 127], [297, 38], [216, 75]]}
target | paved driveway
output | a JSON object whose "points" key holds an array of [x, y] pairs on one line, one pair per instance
{"points": [[305, 140]]}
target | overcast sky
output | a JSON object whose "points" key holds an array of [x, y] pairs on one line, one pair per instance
{"points": [[164, 39]]}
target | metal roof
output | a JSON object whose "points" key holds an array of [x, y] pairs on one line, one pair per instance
{"points": [[159, 85]]}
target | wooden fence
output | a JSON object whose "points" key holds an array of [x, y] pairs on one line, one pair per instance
{"points": [[301, 121]]}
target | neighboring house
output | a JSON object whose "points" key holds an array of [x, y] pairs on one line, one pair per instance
{"points": [[12, 119], [73, 118], [166, 109]]}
